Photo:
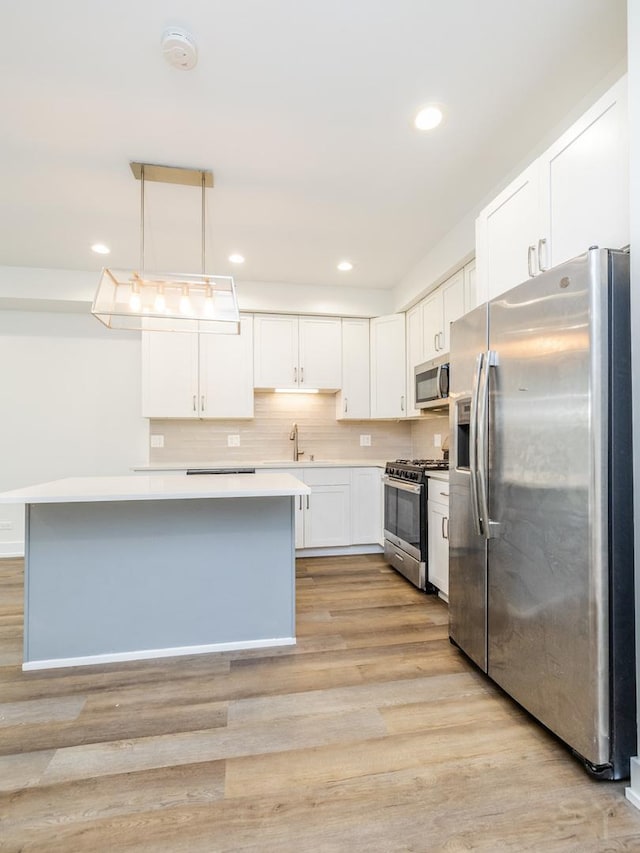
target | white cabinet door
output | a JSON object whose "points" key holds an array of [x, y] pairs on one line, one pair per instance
{"points": [[388, 367], [415, 354], [438, 545], [297, 352], [432, 325], [170, 375], [366, 506], [326, 523], [453, 306], [507, 234], [320, 352], [352, 402], [226, 373], [585, 183], [438, 534], [470, 296], [275, 355]]}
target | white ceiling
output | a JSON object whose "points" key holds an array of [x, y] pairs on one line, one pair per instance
{"points": [[302, 109]]}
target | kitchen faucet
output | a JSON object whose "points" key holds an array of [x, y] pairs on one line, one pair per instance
{"points": [[294, 438]]}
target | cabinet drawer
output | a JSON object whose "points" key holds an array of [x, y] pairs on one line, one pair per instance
{"points": [[438, 491], [327, 476]]}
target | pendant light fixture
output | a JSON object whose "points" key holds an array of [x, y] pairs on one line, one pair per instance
{"points": [[168, 302]]}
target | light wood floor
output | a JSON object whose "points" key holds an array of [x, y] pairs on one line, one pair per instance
{"points": [[373, 734]]}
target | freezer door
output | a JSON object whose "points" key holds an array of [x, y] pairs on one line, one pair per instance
{"points": [[467, 548], [547, 577]]}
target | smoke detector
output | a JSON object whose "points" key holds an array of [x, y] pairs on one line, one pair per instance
{"points": [[179, 48]]}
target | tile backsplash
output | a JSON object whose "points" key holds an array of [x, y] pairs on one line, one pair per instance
{"points": [[266, 436], [423, 433]]}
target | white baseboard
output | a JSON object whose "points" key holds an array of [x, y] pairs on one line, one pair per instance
{"points": [[342, 551], [12, 549], [146, 654]]}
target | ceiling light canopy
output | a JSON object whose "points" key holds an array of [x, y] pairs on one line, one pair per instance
{"points": [[236, 259], [429, 117], [168, 302], [100, 249], [345, 266]]}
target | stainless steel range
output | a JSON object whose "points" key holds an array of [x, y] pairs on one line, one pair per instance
{"points": [[405, 517]]}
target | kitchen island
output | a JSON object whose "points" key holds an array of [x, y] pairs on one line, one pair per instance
{"points": [[125, 568]]}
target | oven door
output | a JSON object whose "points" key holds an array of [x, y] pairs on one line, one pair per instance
{"points": [[404, 523]]}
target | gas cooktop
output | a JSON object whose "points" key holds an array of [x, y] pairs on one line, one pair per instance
{"points": [[414, 469]]}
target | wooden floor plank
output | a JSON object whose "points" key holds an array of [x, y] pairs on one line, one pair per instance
{"points": [[373, 733]]}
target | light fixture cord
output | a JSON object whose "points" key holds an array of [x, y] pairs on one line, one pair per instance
{"points": [[202, 175], [142, 219]]}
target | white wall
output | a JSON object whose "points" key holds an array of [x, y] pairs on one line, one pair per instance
{"points": [[69, 404], [31, 288]]}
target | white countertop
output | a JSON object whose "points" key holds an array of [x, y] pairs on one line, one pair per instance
{"points": [[137, 487], [277, 463]]}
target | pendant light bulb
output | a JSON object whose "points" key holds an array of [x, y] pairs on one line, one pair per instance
{"points": [[160, 303], [209, 307], [135, 301], [185, 302]]}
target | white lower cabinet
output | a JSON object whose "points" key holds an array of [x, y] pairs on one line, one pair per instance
{"points": [[438, 534], [344, 507]]}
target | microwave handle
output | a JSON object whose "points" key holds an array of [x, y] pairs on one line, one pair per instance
{"points": [[438, 385]]}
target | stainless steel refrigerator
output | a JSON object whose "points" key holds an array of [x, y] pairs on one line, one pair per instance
{"points": [[541, 515]]}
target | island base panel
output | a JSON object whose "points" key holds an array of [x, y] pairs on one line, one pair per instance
{"points": [[131, 579]]}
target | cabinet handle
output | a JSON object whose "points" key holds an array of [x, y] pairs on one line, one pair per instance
{"points": [[435, 342], [442, 527], [441, 340], [445, 494], [346, 405], [295, 375], [447, 536], [194, 403], [301, 374], [402, 403], [307, 501], [542, 242], [530, 250], [202, 403], [300, 502]]}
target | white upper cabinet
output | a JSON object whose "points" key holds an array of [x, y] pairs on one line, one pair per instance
{"points": [[320, 352], [432, 333], [415, 354], [388, 367], [191, 375], [585, 183], [170, 386], [470, 290], [297, 352], [439, 310], [507, 234], [574, 196], [352, 402], [428, 324], [453, 305], [226, 373]]}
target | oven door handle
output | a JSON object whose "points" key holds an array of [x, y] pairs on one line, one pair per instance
{"points": [[401, 485]]}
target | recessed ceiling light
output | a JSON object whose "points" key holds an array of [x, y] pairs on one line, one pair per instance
{"points": [[428, 118], [100, 249], [236, 259], [345, 266]]}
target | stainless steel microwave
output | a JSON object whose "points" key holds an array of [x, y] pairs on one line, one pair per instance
{"points": [[432, 384]]}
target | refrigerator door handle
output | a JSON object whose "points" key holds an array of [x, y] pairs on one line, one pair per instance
{"points": [[489, 528], [473, 446]]}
